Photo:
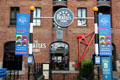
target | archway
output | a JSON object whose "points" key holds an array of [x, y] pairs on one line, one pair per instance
{"points": [[59, 56], [10, 60], [104, 9]]}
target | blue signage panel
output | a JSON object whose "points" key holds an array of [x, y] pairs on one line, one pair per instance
{"points": [[97, 59], [22, 33], [107, 68], [104, 20], [105, 35], [29, 59], [63, 17]]}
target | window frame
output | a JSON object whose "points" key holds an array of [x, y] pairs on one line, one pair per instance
{"points": [[103, 1], [13, 10], [59, 0], [35, 18], [80, 10]]}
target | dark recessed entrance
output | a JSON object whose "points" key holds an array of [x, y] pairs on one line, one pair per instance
{"points": [[10, 60], [59, 56]]}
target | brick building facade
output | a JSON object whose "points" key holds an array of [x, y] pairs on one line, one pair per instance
{"points": [[45, 33]]}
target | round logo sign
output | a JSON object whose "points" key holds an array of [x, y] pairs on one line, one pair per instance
{"points": [[63, 17]]}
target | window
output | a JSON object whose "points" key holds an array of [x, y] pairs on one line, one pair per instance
{"points": [[82, 14], [13, 12], [103, 0], [10, 60], [59, 0], [104, 10], [36, 17]]}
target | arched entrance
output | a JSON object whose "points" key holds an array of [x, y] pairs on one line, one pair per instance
{"points": [[59, 56], [10, 60]]}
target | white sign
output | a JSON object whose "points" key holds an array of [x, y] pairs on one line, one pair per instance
{"points": [[37, 46]]}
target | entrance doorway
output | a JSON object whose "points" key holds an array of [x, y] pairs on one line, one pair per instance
{"points": [[10, 60], [59, 56]]}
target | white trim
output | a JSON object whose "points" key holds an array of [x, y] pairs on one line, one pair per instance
{"points": [[47, 17], [30, 48], [96, 28], [31, 27], [96, 49], [83, 18]]}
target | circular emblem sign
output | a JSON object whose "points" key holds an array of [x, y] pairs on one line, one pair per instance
{"points": [[63, 17]]}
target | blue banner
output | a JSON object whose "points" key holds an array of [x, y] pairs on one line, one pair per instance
{"points": [[105, 35], [107, 68], [22, 33]]}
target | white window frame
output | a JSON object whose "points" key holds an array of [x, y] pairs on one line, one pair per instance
{"points": [[59, 0], [102, 0], [82, 13], [36, 17]]}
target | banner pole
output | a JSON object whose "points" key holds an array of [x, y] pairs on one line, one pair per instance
{"points": [[95, 9], [32, 8]]}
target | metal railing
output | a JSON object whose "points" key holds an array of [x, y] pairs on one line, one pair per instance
{"points": [[13, 75], [37, 70]]}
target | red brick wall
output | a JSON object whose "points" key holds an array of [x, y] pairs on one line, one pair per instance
{"points": [[45, 33], [116, 25]]}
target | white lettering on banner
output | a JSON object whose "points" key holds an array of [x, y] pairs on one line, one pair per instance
{"points": [[37, 46]]}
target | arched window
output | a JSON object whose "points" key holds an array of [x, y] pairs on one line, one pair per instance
{"points": [[10, 60], [104, 9], [59, 56]]}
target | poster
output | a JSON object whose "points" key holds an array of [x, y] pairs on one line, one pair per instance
{"points": [[105, 45], [97, 59], [22, 33], [107, 68]]}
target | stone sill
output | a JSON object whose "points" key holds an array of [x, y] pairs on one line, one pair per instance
{"points": [[64, 72], [103, 1]]}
